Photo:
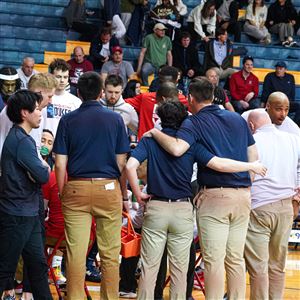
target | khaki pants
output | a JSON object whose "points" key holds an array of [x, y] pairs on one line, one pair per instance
{"points": [[171, 224], [222, 219], [266, 249], [81, 200]]}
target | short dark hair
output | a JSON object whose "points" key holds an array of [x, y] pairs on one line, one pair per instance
{"points": [[90, 86], [220, 31], [105, 30], [171, 113], [184, 35], [49, 131], [59, 64], [201, 89], [167, 90], [21, 100], [168, 73], [248, 57], [114, 80]]}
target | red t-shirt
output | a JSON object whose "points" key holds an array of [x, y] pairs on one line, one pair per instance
{"points": [[145, 104], [55, 224], [78, 69], [240, 87]]}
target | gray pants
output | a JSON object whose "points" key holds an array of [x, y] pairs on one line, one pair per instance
{"points": [[254, 31], [284, 30]]}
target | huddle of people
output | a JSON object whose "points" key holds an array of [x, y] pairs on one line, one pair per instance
{"points": [[87, 175]]}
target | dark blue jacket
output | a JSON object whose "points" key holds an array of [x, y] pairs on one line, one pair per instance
{"points": [[22, 174]]}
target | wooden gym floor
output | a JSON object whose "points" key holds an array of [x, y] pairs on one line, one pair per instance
{"points": [[292, 284]]}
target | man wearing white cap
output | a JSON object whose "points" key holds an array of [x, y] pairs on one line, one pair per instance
{"points": [[155, 52]]}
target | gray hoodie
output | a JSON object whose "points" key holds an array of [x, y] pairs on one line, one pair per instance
{"points": [[126, 111]]}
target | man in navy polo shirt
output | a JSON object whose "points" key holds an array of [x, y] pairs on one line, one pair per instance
{"points": [[91, 146], [224, 199], [169, 216]]}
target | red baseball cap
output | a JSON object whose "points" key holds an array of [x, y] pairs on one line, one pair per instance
{"points": [[116, 49]]}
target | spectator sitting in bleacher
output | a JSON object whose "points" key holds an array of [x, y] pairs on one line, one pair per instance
{"points": [[218, 54], [112, 12], [202, 21], [75, 15], [117, 66], [9, 83], [127, 7], [220, 95], [79, 65], [281, 20], [156, 51], [280, 81], [244, 87], [101, 47], [165, 10], [180, 6], [26, 71], [185, 57], [256, 16], [227, 18]]}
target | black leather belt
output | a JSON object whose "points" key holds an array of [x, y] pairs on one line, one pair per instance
{"points": [[186, 199]]}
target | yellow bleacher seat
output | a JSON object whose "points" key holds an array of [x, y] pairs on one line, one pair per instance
{"points": [[242, 14], [72, 44], [236, 61], [42, 68], [49, 56], [261, 73]]}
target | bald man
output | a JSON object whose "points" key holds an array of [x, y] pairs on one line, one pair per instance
{"points": [[79, 65], [278, 108], [26, 71], [272, 212]]}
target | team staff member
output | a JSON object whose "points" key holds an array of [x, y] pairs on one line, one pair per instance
{"points": [[271, 215], [22, 175], [91, 145], [222, 230]]}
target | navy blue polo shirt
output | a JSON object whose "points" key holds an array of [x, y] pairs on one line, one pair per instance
{"points": [[224, 134], [169, 176], [91, 136]]}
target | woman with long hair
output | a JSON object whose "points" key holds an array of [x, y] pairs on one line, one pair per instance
{"points": [[202, 20], [256, 16]]}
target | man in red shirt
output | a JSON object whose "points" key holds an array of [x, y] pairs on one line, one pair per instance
{"points": [[79, 65], [146, 103], [244, 87]]}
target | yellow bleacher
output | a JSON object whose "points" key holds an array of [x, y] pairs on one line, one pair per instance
{"points": [[70, 45], [49, 56]]}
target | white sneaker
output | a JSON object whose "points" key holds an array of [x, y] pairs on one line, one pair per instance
{"points": [[127, 295]]}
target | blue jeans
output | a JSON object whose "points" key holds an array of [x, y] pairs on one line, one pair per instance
{"points": [[147, 69], [253, 103], [22, 236]]}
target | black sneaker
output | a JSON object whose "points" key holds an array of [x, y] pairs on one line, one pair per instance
{"points": [[92, 274]]}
